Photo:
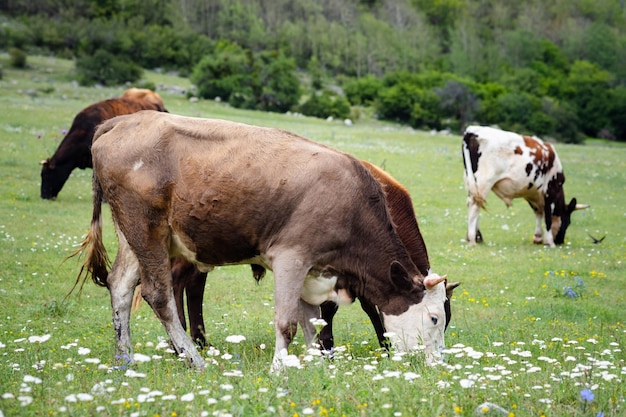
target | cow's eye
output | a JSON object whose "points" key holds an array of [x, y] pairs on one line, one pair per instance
{"points": [[434, 319]]}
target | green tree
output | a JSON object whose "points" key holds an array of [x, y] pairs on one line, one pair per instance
{"points": [[106, 69], [589, 85], [223, 72], [280, 88]]}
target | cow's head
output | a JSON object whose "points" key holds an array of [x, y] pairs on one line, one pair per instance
{"points": [[423, 323], [53, 178], [557, 213]]}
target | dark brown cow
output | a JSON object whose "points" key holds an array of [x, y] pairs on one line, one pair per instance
{"points": [[75, 149], [187, 279], [515, 166], [221, 193]]}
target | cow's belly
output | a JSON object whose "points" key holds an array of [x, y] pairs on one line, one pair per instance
{"points": [[178, 248], [508, 189], [317, 287]]}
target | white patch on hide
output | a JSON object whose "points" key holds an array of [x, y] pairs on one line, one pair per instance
{"points": [[317, 289], [137, 165]]}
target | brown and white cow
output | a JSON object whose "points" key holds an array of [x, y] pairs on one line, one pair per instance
{"points": [[75, 149], [220, 193], [515, 166], [190, 282]]}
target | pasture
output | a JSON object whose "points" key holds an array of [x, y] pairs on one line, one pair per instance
{"points": [[536, 331]]}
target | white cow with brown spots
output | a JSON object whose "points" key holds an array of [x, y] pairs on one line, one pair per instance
{"points": [[515, 166]]}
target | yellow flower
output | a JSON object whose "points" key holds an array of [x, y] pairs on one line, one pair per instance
{"points": [[457, 410]]}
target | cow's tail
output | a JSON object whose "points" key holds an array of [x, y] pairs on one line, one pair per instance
{"points": [[137, 299], [470, 164], [97, 261]]}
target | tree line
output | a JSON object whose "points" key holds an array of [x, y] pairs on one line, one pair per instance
{"points": [[554, 68]]}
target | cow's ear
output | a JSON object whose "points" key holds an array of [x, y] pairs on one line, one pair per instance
{"points": [[400, 277], [571, 206], [450, 286]]}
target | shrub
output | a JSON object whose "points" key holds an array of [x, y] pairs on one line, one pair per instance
{"points": [[106, 69], [409, 103], [362, 91], [280, 88], [264, 81], [325, 104], [17, 58], [224, 72]]}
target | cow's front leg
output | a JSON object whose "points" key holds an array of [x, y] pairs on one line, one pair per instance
{"points": [[195, 296], [377, 322], [326, 338], [538, 236], [289, 274]]}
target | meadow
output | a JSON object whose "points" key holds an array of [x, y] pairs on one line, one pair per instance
{"points": [[535, 331]]}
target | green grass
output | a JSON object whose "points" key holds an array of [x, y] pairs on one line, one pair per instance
{"points": [[514, 340]]}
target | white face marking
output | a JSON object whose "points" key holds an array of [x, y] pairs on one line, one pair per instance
{"points": [[137, 165], [422, 325]]}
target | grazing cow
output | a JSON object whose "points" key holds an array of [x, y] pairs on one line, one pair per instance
{"points": [[74, 151], [515, 166], [223, 193], [187, 279]]}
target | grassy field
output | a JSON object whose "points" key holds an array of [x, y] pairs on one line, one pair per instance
{"points": [[515, 340]]}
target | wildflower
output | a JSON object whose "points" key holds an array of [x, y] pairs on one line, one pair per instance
{"points": [[138, 357], [587, 395], [39, 339], [466, 383], [187, 397], [569, 292], [236, 338]]}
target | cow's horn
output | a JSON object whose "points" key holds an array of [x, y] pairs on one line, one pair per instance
{"points": [[432, 280], [43, 162], [581, 206]]}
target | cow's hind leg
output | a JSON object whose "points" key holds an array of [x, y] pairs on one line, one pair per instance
{"points": [[473, 211], [309, 312], [122, 280], [156, 288]]}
